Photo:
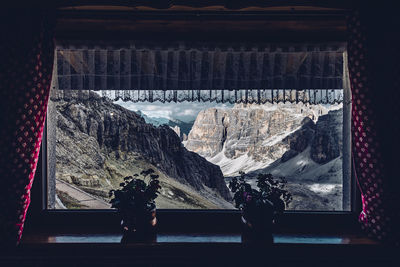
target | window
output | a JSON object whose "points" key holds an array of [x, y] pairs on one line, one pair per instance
{"points": [[197, 146], [282, 25]]}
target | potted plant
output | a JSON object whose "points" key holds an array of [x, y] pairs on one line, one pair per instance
{"points": [[260, 207], [135, 203]]}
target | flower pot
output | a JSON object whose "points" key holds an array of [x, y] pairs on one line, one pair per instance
{"points": [[139, 227], [259, 235], [257, 226]]}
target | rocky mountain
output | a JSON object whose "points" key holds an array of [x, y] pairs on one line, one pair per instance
{"points": [[313, 164], [98, 143], [325, 138], [248, 136], [301, 142], [182, 128]]}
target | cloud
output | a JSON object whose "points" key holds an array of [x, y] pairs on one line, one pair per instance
{"points": [[188, 112], [185, 111]]}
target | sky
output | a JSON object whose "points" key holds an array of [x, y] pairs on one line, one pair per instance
{"points": [[184, 111]]}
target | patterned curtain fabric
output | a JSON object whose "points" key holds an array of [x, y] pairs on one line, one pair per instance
{"points": [[182, 71], [27, 53], [374, 69]]}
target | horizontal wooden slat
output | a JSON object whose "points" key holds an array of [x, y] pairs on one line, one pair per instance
{"points": [[230, 4], [233, 30]]}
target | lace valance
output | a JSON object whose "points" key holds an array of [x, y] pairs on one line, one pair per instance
{"points": [[183, 71], [219, 96]]}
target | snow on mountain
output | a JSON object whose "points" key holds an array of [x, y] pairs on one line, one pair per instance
{"points": [[248, 136], [300, 142], [313, 186], [231, 167]]}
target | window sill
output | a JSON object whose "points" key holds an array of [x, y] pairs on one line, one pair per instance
{"points": [[185, 249], [195, 238]]}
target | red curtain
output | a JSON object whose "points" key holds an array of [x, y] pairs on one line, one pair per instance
{"points": [[26, 62], [374, 58]]}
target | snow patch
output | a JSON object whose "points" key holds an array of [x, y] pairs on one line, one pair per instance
{"points": [[322, 188], [59, 204], [273, 140], [231, 167], [303, 168]]}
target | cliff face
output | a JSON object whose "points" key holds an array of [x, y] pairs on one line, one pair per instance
{"points": [[313, 164], [98, 142], [248, 134], [302, 143], [328, 140], [325, 138]]}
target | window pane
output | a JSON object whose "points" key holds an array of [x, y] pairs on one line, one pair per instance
{"points": [[196, 148]]}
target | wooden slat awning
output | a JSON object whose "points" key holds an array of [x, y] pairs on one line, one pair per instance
{"points": [[156, 69]]}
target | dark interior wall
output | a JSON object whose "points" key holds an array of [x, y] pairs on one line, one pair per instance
{"points": [[382, 24]]}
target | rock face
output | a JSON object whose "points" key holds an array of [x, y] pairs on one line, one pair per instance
{"points": [[177, 130], [313, 164], [328, 139], [251, 131], [302, 143], [299, 140], [325, 138], [97, 139]]}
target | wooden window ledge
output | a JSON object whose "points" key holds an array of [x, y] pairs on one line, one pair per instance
{"points": [[200, 238], [192, 249]]}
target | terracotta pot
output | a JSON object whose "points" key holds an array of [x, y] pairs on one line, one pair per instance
{"points": [[139, 228]]}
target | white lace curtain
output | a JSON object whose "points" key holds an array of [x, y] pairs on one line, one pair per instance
{"points": [[145, 71]]}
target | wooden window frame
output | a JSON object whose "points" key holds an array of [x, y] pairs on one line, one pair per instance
{"points": [[42, 219]]}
